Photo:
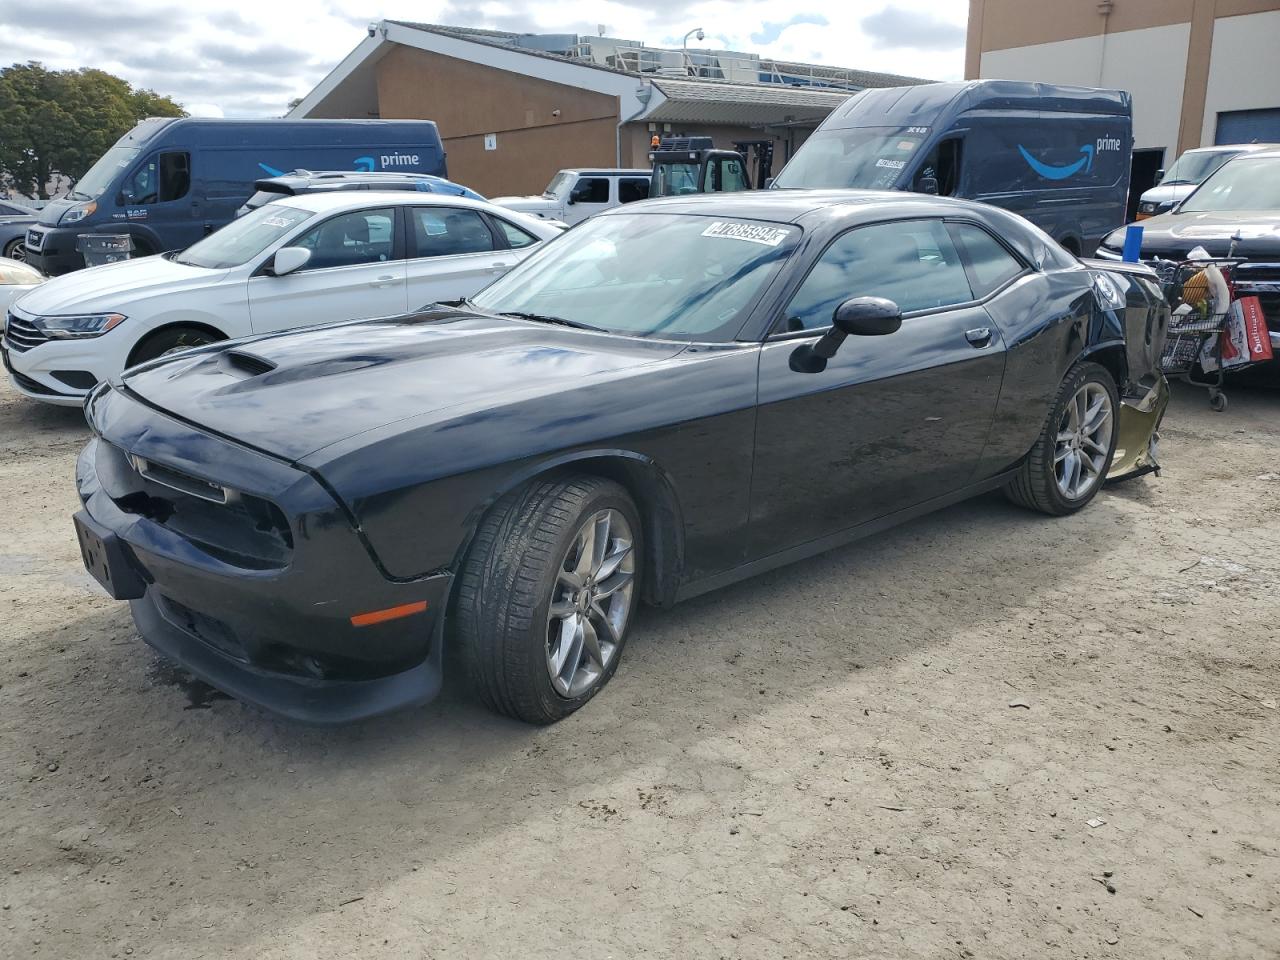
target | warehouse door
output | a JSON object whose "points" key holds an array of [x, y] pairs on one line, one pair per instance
{"points": [[1249, 126]]}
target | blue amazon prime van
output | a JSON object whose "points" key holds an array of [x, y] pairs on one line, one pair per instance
{"points": [[1057, 155], [170, 181]]}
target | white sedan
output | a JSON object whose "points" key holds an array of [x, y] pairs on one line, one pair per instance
{"points": [[298, 261]]}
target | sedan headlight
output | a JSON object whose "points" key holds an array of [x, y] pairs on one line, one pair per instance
{"points": [[80, 327], [1150, 208], [76, 214]]}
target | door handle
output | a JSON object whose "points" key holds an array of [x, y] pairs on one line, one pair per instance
{"points": [[500, 267], [978, 336], [382, 281]]}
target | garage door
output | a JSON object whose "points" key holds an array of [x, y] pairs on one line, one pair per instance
{"points": [[1249, 126]]}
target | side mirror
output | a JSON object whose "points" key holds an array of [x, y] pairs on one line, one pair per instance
{"points": [[857, 317], [1159, 175], [289, 259], [927, 185]]}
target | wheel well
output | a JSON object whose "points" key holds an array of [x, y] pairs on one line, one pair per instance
{"points": [[186, 325], [1114, 359], [660, 517]]}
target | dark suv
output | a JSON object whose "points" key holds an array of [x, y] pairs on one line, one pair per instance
{"points": [[311, 181]]}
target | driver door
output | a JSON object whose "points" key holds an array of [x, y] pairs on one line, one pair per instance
{"points": [[893, 421], [356, 271]]}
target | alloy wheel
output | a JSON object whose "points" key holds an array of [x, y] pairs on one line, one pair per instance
{"points": [[590, 603], [1084, 441]]}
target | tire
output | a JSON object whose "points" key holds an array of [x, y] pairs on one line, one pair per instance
{"points": [[171, 340], [1038, 485], [504, 619], [15, 250]]}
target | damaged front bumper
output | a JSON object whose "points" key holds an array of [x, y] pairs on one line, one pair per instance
{"points": [[1138, 425]]}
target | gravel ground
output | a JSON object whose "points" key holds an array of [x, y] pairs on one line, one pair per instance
{"points": [[894, 750]]}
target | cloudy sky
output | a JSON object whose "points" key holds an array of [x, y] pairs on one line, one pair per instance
{"points": [[251, 58]]}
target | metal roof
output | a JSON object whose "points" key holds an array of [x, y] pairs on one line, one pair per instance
{"points": [[712, 101]]}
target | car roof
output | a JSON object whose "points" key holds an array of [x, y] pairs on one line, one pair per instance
{"points": [[1235, 148], [335, 200], [609, 172], [795, 206]]}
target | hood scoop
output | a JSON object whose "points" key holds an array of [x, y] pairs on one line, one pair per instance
{"points": [[237, 363]]}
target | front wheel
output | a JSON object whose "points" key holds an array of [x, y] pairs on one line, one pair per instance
{"points": [[1069, 461], [546, 595], [170, 340], [16, 250]]}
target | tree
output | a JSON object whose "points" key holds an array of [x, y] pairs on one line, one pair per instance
{"points": [[58, 122]]}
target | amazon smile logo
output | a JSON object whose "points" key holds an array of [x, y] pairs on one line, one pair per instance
{"points": [[1084, 164]]}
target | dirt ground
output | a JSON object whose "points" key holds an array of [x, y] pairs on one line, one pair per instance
{"points": [[894, 750]]}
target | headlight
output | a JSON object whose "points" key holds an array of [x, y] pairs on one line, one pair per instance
{"points": [[76, 214], [79, 327], [1149, 207]]}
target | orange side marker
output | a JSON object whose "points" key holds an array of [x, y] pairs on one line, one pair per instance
{"points": [[390, 613]]}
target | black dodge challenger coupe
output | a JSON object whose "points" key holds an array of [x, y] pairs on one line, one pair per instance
{"points": [[670, 397]]}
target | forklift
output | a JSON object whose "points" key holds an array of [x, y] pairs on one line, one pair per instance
{"points": [[685, 165]]}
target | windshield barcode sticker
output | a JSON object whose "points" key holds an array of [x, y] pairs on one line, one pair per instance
{"points": [[751, 232]]}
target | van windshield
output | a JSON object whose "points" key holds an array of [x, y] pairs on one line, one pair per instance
{"points": [[102, 174], [1193, 167], [873, 158], [241, 240]]}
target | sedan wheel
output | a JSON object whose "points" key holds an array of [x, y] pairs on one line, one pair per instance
{"points": [[591, 603], [546, 594], [1084, 441], [16, 251], [1069, 461]]}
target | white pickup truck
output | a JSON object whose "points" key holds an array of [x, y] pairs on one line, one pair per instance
{"points": [[574, 195]]}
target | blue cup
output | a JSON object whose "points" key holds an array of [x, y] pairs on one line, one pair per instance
{"points": [[1132, 243]]}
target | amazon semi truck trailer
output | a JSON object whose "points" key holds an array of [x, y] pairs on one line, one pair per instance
{"points": [[1057, 155], [170, 181]]}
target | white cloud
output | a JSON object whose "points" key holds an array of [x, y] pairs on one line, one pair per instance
{"points": [[244, 59]]}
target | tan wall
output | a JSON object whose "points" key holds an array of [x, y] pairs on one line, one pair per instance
{"points": [[468, 100], [1001, 24]]}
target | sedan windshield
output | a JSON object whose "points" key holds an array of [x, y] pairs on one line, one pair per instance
{"points": [[104, 173], [872, 158], [241, 240], [1243, 184], [1194, 166], [668, 276]]}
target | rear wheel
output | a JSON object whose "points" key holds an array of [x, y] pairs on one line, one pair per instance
{"points": [[16, 250], [171, 340], [1069, 462], [546, 594]]}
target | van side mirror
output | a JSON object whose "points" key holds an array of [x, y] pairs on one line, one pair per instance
{"points": [[927, 185], [287, 260], [1159, 175], [856, 317]]}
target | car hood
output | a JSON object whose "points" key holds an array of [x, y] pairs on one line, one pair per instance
{"points": [[115, 285], [1175, 234], [1168, 192], [292, 394]]}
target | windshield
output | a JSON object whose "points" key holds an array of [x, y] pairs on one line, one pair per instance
{"points": [[1194, 167], [559, 180], [242, 240], [103, 173], [668, 276], [1243, 184], [675, 179], [873, 158]]}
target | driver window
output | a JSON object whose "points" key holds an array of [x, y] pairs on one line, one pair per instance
{"points": [[911, 262], [592, 190], [350, 239], [161, 178], [943, 165], [725, 175]]}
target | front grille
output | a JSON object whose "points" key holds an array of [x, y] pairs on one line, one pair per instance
{"points": [[21, 334], [34, 239]]}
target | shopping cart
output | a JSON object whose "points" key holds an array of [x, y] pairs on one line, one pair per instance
{"points": [[1200, 293]]}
